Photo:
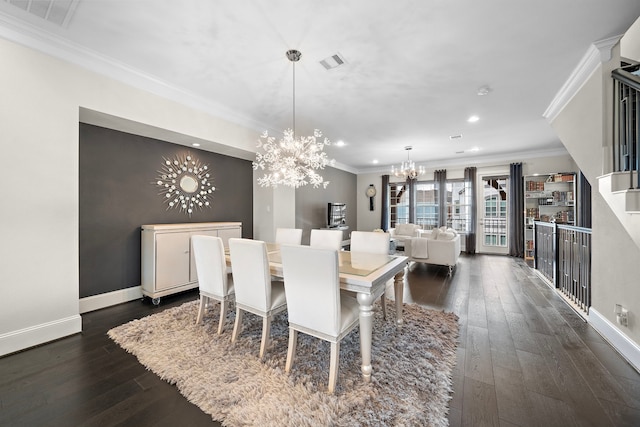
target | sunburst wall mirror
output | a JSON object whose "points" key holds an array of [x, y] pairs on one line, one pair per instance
{"points": [[185, 184]]}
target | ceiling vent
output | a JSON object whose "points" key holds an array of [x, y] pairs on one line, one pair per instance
{"points": [[58, 12], [333, 61], [454, 137]]}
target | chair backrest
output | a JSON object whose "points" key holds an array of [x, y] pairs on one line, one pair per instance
{"points": [[312, 287], [326, 239], [211, 266], [250, 269], [289, 236], [372, 242]]}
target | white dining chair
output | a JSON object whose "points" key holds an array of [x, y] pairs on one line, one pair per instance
{"points": [[255, 292], [315, 304], [371, 242], [326, 239], [213, 280], [292, 236]]}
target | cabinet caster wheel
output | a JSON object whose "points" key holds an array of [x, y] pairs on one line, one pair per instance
{"points": [[155, 301]]}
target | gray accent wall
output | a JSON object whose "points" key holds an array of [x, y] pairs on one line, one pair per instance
{"points": [[311, 203], [118, 194]]}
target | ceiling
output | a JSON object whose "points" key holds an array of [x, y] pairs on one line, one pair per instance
{"points": [[412, 71]]}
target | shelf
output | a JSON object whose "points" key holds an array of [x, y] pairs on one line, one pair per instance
{"points": [[538, 194], [558, 182], [548, 197]]}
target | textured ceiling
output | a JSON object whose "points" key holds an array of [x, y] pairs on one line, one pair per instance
{"points": [[412, 71]]}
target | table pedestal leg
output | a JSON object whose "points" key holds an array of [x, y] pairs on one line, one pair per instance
{"points": [[366, 332], [398, 284]]}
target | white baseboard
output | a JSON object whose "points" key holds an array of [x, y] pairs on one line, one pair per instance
{"points": [[39, 334], [96, 302], [625, 346]]}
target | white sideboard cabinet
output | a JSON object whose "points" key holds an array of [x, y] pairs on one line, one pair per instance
{"points": [[168, 265]]}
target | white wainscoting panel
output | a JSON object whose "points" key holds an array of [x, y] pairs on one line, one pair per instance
{"points": [[96, 302], [39, 334], [625, 346]]}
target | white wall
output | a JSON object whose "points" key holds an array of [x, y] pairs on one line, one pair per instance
{"points": [[272, 208], [583, 128], [39, 116], [629, 46]]}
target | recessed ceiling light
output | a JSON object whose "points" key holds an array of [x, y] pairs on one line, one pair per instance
{"points": [[195, 144], [375, 161], [340, 143], [473, 119], [483, 90], [474, 149]]}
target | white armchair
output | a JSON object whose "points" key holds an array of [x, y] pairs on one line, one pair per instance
{"points": [[255, 291], [402, 232], [439, 247], [314, 302], [213, 280]]}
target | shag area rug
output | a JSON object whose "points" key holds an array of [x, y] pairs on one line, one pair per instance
{"points": [[411, 383]]}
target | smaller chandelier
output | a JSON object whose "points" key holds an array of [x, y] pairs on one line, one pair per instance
{"points": [[292, 161], [408, 168]]}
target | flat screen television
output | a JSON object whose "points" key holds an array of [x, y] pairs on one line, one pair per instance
{"points": [[336, 215]]}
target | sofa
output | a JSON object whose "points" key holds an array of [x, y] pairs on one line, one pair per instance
{"points": [[402, 232], [440, 246]]}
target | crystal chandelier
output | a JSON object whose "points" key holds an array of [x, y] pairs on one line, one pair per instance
{"points": [[408, 168], [292, 161]]}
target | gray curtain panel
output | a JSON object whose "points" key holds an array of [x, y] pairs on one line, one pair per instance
{"points": [[384, 218], [440, 177], [470, 191], [516, 214], [411, 188]]}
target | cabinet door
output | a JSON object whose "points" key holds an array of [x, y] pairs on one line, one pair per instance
{"points": [[172, 260]]}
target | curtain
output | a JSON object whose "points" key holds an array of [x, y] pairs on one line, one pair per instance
{"points": [[515, 208], [440, 177], [384, 217], [470, 192], [583, 199], [411, 189]]}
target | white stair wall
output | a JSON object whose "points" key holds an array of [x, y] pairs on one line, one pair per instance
{"points": [[624, 202]]}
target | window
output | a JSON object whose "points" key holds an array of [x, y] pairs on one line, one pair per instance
{"points": [[399, 204], [495, 212], [427, 209], [427, 206], [458, 205]]}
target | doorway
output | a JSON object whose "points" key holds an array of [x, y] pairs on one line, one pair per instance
{"points": [[494, 217]]}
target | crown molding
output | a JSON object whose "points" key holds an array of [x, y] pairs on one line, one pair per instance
{"points": [[51, 44], [598, 52], [486, 160]]}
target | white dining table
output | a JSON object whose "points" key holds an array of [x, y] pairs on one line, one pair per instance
{"points": [[365, 275]]}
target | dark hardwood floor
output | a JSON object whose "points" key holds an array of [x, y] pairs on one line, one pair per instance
{"points": [[524, 359]]}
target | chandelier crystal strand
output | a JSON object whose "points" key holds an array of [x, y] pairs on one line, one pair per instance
{"points": [[408, 169], [292, 161]]}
